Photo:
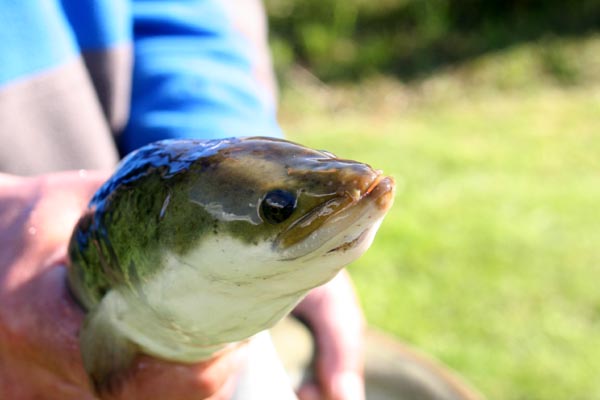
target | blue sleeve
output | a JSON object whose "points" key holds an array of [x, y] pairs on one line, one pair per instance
{"points": [[192, 76]]}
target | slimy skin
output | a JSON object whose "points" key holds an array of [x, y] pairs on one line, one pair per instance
{"points": [[194, 245]]}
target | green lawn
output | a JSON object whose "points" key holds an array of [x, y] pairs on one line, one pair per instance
{"points": [[490, 257]]}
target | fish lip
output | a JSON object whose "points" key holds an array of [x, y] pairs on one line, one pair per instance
{"points": [[379, 185], [379, 192], [383, 189], [378, 178], [379, 188]]}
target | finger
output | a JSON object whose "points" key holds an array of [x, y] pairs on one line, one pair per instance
{"points": [[347, 385], [227, 390], [309, 391], [43, 333], [47, 208], [339, 368], [154, 378], [338, 325], [64, 196]]}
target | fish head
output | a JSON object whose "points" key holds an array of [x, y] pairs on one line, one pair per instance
{"points": [[301, 207]]}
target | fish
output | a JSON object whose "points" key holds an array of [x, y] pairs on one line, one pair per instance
{"points": [[195, 245]]}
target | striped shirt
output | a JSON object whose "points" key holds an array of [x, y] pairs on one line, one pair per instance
{"points": [[83, 82]]}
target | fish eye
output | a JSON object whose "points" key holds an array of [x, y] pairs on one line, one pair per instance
{"points": [[277, 206]]}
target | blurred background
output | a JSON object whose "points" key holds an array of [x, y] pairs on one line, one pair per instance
{"points": [[487, 113]]}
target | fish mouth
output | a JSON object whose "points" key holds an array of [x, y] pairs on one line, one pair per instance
{"points": [[380, 192], [340, 224], [352, 243]]}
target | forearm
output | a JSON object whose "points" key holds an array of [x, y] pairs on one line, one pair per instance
{"points": [[196, 75]]}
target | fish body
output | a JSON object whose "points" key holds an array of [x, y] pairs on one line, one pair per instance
{"points": [[194, 245]]}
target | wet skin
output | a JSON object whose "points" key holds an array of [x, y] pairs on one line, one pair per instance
{"points": [[296, 214]]}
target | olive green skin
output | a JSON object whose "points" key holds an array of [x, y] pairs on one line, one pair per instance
{"points": [[163, 198], [178, 256]]}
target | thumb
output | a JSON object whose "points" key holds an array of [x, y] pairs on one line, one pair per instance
{"points": [[334, 315], [339, 368], [62, 198]]}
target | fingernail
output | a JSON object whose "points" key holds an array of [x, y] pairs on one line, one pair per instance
{"points": [[348, 386]]}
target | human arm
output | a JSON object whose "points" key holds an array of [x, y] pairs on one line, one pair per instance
{"points": [[201, 70], [40, 321]]}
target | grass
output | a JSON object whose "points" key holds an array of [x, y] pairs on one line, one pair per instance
{"points": [[490, 257]]}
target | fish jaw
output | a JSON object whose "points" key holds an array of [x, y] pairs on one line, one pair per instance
{"points": [[347, 232]]}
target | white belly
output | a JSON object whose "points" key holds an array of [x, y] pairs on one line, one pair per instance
{"points": [[208, 298]]}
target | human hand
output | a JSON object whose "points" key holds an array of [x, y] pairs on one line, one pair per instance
{"points": [[334, 316], [39, 320]]}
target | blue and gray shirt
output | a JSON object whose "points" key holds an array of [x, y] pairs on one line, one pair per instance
{"points": [[85, 81]]}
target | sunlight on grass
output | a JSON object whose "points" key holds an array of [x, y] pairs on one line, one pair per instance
{"points": [[490, 258]]}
